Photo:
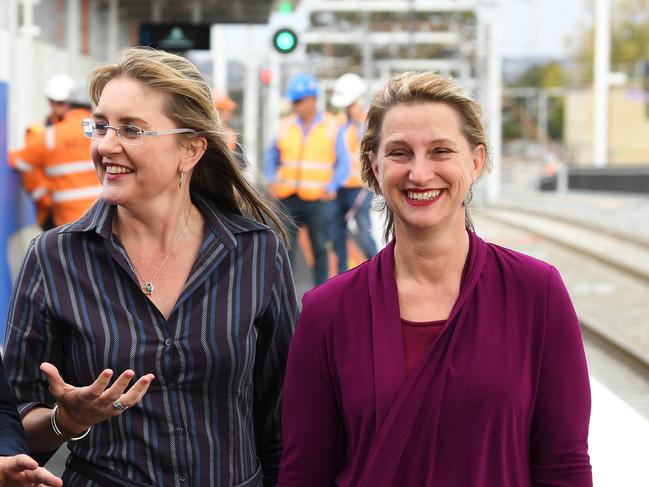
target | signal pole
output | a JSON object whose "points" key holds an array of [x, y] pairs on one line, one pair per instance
{"points": [[494, 98], [601, 83]]}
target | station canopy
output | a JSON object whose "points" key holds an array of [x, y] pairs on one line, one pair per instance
{"points": [[206, 11]]}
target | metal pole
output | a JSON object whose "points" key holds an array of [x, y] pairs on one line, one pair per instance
{"points": [[274, 98], [22, 81], [542, 119], [600, 89], [113, 28], [219, 62], [494, 100], [73, 27], [11, 12], [251, 106], [366, 48]]}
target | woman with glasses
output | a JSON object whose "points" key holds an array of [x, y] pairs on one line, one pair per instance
{"points": [[151, 334]]}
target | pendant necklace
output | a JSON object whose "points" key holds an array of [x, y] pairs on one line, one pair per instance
{"points": [[148, 287]]}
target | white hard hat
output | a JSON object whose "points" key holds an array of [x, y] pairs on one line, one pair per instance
{"points": [[79, 94], [59, 87], [348, 89]]}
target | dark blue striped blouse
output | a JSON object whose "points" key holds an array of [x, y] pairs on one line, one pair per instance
{"points": [[211, 416]]}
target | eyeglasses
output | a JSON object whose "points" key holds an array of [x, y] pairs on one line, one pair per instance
{"points": [[128, 134]]}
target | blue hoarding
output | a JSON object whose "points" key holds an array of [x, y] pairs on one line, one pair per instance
{"points": [[8, 197], [15, 211]]}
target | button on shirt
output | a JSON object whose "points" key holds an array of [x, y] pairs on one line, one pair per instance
{"points": [[212, 412]]}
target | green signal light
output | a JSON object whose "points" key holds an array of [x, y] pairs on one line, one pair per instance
{"points": [[285, 40], [285, 7]]}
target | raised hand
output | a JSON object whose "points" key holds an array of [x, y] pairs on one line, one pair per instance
{"points": [[21, 470], [82, 407]]}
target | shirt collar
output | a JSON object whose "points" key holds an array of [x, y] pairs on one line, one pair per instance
{"points": [[225, 226], [317, 119]]}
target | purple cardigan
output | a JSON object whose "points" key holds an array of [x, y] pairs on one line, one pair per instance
{"points": [[501, 399]]}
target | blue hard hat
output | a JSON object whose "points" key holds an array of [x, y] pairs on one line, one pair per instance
{"points": [[301, 86]]}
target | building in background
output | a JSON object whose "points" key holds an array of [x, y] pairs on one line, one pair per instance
{"points": [[628, 121]]}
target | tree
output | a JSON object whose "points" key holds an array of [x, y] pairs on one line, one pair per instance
{"points": [[517, 123], [629, 39]]}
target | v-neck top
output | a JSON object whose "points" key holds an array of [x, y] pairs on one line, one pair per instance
{"points": [[501, 397]]}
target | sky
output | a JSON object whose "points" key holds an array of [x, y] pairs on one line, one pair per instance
{"points": [[540, 28]]}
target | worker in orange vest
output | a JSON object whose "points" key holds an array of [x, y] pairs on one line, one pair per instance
{"points": [[352, 204], [226, 107], [34, 180], [63, 153], [304, 169]]}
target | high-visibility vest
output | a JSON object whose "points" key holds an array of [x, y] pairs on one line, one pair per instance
{"points": [[70, 172], [351, 136], [306, 164], [33, 177]]}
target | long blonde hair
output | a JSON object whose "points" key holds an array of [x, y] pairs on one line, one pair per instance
{"points": [[409, 88], [188, 102]]}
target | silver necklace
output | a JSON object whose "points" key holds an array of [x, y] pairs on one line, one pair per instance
{"points": [[148, 287]]}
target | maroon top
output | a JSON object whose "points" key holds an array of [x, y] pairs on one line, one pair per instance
{"points": [[418, 337], [500, 399]]}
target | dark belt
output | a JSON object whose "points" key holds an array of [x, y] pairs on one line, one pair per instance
{"points": [[100, 475], [106, 478]]}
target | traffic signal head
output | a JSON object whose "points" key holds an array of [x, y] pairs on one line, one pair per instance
{"points": [[266, 76], [285, 40]]}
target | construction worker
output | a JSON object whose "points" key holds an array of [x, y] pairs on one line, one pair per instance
{"points": [[33, 177], [34, 180], [303, 169], [57, 92], [352, 203], [63, 153], [226, 107]]}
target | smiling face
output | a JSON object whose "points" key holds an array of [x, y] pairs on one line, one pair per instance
{"points": [[135, 174], [424, 166]]}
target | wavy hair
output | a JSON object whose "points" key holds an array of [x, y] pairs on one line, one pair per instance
{"points": [[188, 102]]}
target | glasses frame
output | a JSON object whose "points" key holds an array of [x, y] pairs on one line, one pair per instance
{"points": [[89, 122]]}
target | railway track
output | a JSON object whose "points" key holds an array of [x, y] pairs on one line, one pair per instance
{"points": [[608, 278]]}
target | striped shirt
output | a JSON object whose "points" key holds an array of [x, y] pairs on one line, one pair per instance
{"points": [[211, 416]]}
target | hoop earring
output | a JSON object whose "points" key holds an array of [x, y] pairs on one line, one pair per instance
{"points": [[378, 202], [182, 176]]}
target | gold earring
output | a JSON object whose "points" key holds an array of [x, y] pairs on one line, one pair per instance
{"points": [[182, 176]]}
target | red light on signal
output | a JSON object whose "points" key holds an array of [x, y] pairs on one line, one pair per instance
{"points": [[266, 76]]}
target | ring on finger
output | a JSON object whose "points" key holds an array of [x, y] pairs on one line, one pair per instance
{"points": [[119, 406]]}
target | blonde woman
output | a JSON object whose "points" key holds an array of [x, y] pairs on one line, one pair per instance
{"points": [[445, 360], [173, 283]]}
